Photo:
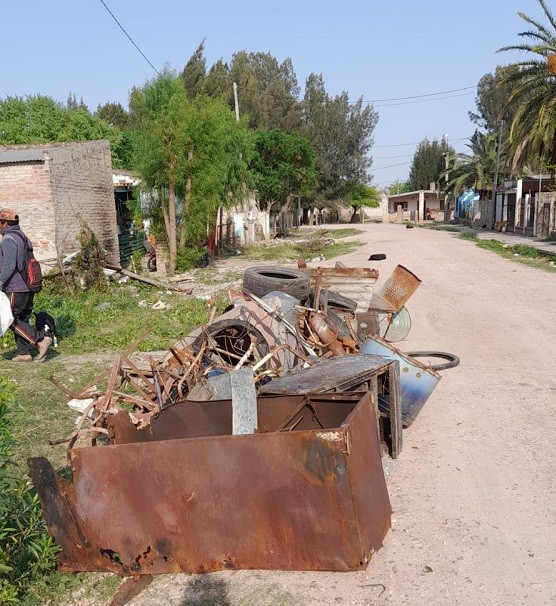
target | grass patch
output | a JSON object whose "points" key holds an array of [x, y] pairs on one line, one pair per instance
{"points": [[521, 253], [344, 232], [109, 320], [291, 251]]}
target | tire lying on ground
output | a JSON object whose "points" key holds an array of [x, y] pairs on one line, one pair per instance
{"points": [[262, 280]]}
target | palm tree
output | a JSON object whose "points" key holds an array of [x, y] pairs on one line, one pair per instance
{"points": [[533, 89], [476, 169]]}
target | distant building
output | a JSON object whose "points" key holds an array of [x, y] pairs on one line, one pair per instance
{"points": [[420, 205]]}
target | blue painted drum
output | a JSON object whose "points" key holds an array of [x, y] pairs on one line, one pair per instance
{"points": [[417, 381]]}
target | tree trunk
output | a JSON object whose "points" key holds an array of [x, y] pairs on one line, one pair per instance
{"points": [[171, 229], [186, 203]]}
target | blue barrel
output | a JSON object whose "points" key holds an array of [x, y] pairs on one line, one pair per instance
{"points": [[417, 381]]}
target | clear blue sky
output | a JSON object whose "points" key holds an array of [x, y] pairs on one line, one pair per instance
{"points": [[379, 49]]}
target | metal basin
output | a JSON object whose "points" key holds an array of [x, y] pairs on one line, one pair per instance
{"points": [[417, 381]]}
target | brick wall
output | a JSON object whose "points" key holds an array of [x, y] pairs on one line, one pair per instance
{"points": [[75, 186], [26, 188], [83, 192]]}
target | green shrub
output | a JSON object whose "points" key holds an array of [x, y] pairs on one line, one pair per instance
{"points": [[27, 552]]}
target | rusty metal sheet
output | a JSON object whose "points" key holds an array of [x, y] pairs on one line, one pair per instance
{"points": [[303, 499], [337, 373]]}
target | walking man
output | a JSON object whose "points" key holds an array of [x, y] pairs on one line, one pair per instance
{"points": [[12, 262]]}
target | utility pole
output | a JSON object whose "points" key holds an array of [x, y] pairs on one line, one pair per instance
{"points": [[446, 166], [236, 102], [492, 218]]}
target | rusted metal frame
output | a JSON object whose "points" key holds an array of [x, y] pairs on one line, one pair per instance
{"points": [[139, 388], [62, 388], [131, 399], [115, 375], [188, 372], [80, 422], [306, 403]]}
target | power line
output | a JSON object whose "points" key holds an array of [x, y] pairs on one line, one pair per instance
{"points": [[129, 37], [408, 144], [391, 166], [444, 92], [412, 101]]}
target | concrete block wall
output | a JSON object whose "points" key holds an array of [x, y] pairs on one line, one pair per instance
{"points": [[26, 187], [83, 192]]}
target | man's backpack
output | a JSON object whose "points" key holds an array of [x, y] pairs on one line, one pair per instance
{"points": [[31, 271]]}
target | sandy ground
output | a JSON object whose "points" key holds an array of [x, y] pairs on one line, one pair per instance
{"points": [[474, 490]]}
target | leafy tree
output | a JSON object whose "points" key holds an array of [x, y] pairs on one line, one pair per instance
{"points": [[218, 82], [533, 91], [283, 166], [429, 162], [40, 119], [493, 100], [218, 152], [474, 170], [194, 72], [341, 135], [73, 103], [114, 114], [161, 144], [268, 91], [363, 195]]}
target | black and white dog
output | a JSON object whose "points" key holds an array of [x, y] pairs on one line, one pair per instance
{"points": [[44, 321]]}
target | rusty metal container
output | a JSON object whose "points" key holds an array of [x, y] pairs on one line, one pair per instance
{"points": [[305, 492]]}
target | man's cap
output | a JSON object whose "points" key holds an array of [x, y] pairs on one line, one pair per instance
{"points": [[8, 214]]}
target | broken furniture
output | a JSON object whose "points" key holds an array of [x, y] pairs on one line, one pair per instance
{"points": [[305, 492], [351, 373]]}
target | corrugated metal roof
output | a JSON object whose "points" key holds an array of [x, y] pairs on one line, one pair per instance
{"points": [[21, 155]]}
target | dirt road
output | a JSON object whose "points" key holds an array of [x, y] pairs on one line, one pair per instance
{"points": [[474, 491]]}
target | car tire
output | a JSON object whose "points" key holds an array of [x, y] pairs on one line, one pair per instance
{"points": [[259, 281]]}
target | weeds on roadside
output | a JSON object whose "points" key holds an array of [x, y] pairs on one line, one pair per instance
{"points": [[521, 253], [27, 552]]}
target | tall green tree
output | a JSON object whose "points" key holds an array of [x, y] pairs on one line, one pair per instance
{"points": [[493, 100], [216, 175], [533, 90], [341, 135], [283, 166], [267, 90], [161, 145], [428, 163], [195, 71]]}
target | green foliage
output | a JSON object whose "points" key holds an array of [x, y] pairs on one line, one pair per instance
{"points": [[477, 169], [194, 72], [532, 88], [40, 119], [283, 165], [398, 187], [428, 164], [520, 253], [364, 195], [87, 270], [290, 251], [27, 552], [188, 258], [341, 135]]}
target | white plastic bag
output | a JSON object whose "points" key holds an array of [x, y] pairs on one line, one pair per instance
{"points": [[6, 316]]}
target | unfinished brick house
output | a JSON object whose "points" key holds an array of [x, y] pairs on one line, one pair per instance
{"points": [[55, 187]]}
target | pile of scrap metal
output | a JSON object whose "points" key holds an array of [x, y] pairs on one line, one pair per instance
{"points": [[238, 446]]}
